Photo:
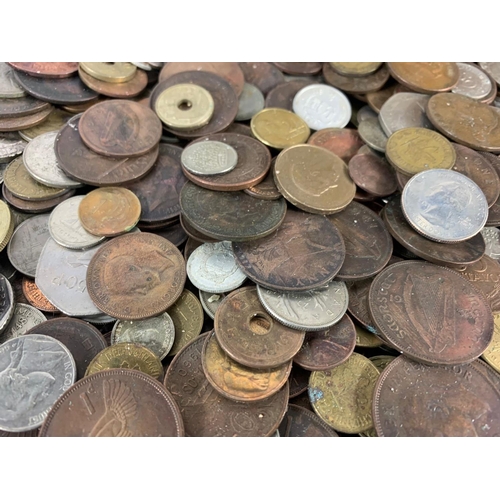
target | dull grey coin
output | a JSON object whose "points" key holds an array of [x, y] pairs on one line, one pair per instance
{"points": [[322, 106], [372, 133], [36, 371], [209, 158], [9, 88], [211, 301], [309, 311], [6, 303], [157, 334], [24, 318], [11, 145], [143, 65], [27, 243], [67, 230], [444, 205], [491, 236], [20, 217], [493, 69], [472, 82], [365, 112], [251, 101]]}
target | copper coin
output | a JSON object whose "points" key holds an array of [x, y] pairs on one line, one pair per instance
{"points": [[368, 244], [426, 77], [344, 142], [263, 75], [115, 403], [131, 88], [298, 380], [24, 122], [239, 128], [373, 174], [430, 313], [21, 106], [120, 129], [358, 303], [35, 297], [206, 413], [232, 216], [306, 252], [282, 95], [412, 399], [356, 84], [81, 163], [32, 206], [194, 234], [299, 68], [225, 101], [80, 108], [266, 189], [376, 100], [47, 69], [300, 422], [229, 71], [136, 276]]}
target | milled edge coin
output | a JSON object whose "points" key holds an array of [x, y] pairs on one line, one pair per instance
{"points": [[209, 158]]}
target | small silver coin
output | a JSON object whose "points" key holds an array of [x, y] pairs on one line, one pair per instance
{"points": [[251, 101], [209, 158], [473, 82], [6, 303], [25, 317], [157, 334], [67, 230], [444, 205], [26, 244], [491, 236], [35, 371], [212, 268], [493, 69], [9, 88], [309, 311], [322, 106], [211, 302], [11, 145], [372, 133]]}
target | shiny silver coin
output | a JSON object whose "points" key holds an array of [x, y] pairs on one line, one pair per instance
{"points": [[210, 302], [11, 145], [493, 69], [209, 158], [25, 317], [9, 88], [444, 206], [473, 82], [143, 65], [251, 101], [309, 311], [372, 133], [491, 236], [7, 302]]}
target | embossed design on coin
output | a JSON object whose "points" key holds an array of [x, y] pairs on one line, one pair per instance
{"points": [[10, 145], [9, 88], [427, 77], [6, 302], [492, 353], [35, 296], [491, 237], [472, 82], [209, 158]]}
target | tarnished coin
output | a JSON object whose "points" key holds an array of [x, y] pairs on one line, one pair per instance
{"points": [[22, 106], [300, 422], [124, 90], [113, 72], [23, 122], [35, 296], [367, 339], [7, 304], [175, 234], [343, 142], [282, 95], [265, 190], [373, 174], [9, 88], [115, 403], [364, 113], [493, 69], [211, 302], [491, 237], [263, 75], [358, 303], [46, 69], [355, 68], [299, 68], [54, 122], [472, 82], [209, 158], [30, 207], [382, 361], [11, 145], [251, 101], [24, 318], [491, 354], [372, 134], [6, 224], [193, 234], [356, 84], [444, 205], [426, 77]]}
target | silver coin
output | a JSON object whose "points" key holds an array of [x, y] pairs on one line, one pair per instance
{"points": [[11, 145], [26, 244], [67, 230], [20, 217], [322, 106], [491, 236], [39, 158], [3, 166], [143, 65], [157, 334], [9, 88], [372, 133], [472, 82], [36, 371], [309, 311], [444, 205], [61, 275], [212, 268], [6, 302], [404, 110], [366, 112], [251, 101], [156, 65], [211, 301], [493, 69], [209, 158], [25, 317]]}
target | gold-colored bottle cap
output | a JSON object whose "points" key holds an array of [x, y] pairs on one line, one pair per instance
{"points": [[112, 72]]}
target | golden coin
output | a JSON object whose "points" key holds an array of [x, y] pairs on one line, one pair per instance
{"points": [[413, 150], [55, 121], [381, 361], [6, 225], [342, 397], [109, 211], [355, 68], [279, 128], [492, 353], [112, 72], [427, 77], [314, 179], [366, 339], [185, 106]]}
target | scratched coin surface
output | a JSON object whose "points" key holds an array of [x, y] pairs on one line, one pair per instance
{"points": [[266, 189], [9, 88], [300, 422], [473, 82], [209, 158], [426, 77], [24, 318], [439, 316], [11, 145]]}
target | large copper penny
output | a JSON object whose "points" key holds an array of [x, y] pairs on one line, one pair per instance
{"points": [[412, 399], [136, 276], [131, 88], [305, 252], [344, 142], [430, 313], [47, 69], [115, 403], [282, 95], [263, 75], [426, 77], [373, 174], [300, 422], [356, 84]]}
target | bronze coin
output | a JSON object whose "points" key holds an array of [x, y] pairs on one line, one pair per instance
{"points": [[266, 189], [21, 106], [232, 216], [120, 129], [47, 69], [24, 122], [306, 252], [282, 95], [368, 245], [207, 413], [263, 75], [225, 101], [426, 77], [131, 88], [456, 254], [298, 380], [355, 68], [239, 128], [358, 303], [412, 399], [115, 403], [80, 108], [300, 422], [35, 297], [373, 174], [356, 84], [82, 164], [325, 349], [431, 313], [377, 99], [33, 206], [254, 161], [299, 68], [194, 234], [494, 215], [344, 142], [136, 276]]}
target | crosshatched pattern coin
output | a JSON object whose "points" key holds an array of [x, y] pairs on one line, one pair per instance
{"points": [[209, 158]]}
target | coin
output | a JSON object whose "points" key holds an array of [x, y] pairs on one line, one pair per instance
{"points": [[356, 84], [131, 88], [263, 75], [211, 302], [266, 189], [6, 225], [9, 88], [372, 134], [251, 101], [175, 234], [22, 106], [11, 145], [35, 206], [35, 296], [491, 237], [194, 234], [373, 174], [355, 68], [343, 142], [282, 95], [300, 422], [113, 72], [209, 158], [426, 77], [490, 355], [367, 339], [54, 122], [24, 122], [7, 305], [472, 82], [46, 69], [299, 68]]}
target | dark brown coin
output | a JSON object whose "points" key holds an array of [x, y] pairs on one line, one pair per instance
{"points": [[115, 403], [21, 106], [325, 349], [80, 108], [47, 69], [344, 142], [194, 234], [299, 68], [265, 190], [254, 161], [131, 88], [426, 77], [358, 303], [223, 95], [206, 413], [377, 99], [120, 129], [306, 252], [373, 174], [24, 122], [35, 207], [412, 399], [232, 216], [263, 75], [430, 313], [282, 95], [402, 180], [239, 128], [299, 422], [299, 380], [175, 234], [83, 340], [356, 84], [363, 196], [35, 297], [368, 245]]}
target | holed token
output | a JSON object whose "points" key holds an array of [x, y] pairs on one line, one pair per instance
{"points": [[426, 77], [209, 158], [113, 72]]}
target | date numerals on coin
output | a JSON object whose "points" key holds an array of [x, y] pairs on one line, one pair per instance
{"points": [[70, 282]]}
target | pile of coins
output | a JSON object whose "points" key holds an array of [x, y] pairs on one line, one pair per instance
{"points": [[249, 249]]}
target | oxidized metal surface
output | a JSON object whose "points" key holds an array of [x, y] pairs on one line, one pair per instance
{"points": [[473, 82], [263, 75], [373, 134], [426, 77], [492, 353], [54, 122], [358, 303], [367, 339], [24, 122], [251, 101], [266, 189], [6, 224], [211, 301], [209, 158], [46, 69], [124, 90], [344, 142], [35, 296], [355, 68], [282, 95], [299, 68], [35, 206], [300, 422], [113, 72], [373, 174], [356, 84], [22, 106]]}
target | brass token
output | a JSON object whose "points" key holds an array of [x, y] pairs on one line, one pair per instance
{"points": [[415, 149], [113, 72], [355, 68], [314, 179], [55, 121], [6, 221], [427, 77], [364, 338], [185, 106], [279, 128], [109, 211], [342, 397], [492, 353]]}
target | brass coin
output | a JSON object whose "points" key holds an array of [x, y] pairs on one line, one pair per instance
{"points": [[130, 88], [5, 224], [113, 72], [426, 77], [55, 121], [109, 211], [355, 68], [415, 149], [314, 179], [185, 106], [364, 338], [279, 128], [492, 353]]}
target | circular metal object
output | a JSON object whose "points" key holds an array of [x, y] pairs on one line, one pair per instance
{"points": [[299, 68], [7, 304], [35, 206], [11, 145], [355, 68], [282, 95], [125, 90], [263, 75], [426, 77], [355, 84], [343, 142], [22, 106], [9, 88], [35, 297], [251, 101], [23, 122], [54, 122], [46, 69], [373, 174], [373, 134], [211, 302], [301, 422], [113, 72], [473, 82], [209, 158]]}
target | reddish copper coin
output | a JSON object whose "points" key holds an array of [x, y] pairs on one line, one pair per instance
{"points": [[47, 69], [299, 68], [356, 84], [358, 303], [34, 207], [266, 189], [263, 75], [426, 77], [130, 88], [35, 297], [282, 95], [373, 174], [344, 142], [24, 122], [300, 422]]}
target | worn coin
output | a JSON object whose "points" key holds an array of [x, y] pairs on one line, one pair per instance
{"points": [[372, 134], [211, 302], [356, 84], [24, 122], [426, 77], [355, 68], [6, 224], [473, 82], [35, 296], [209, 158], [11, 145], [35, 206], [282, 95], [46, 69], [54, 122], [266, 189], [251, 101], [358, 303], [125, 90], [300, 422], [7, 305], [22, 106], [367, 339], [263, 75], [364, 113], [193, 233], [491, 237], [373, 174], [113, 72], [343, 142], [299, 68], [491, 354], [9, 88], [24, 318]]}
